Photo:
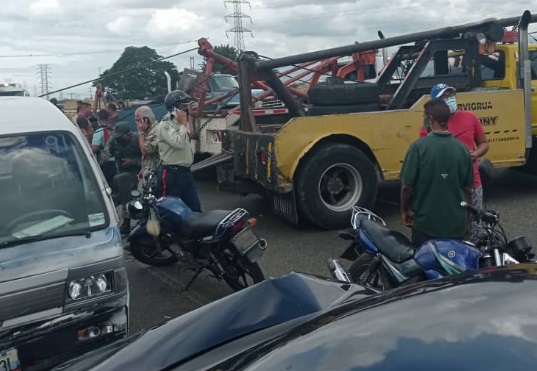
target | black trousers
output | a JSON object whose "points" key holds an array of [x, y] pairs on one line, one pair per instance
{"points": [[178, 181]]}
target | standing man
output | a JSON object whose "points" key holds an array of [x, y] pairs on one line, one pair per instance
{"points": [[466, 127], [123, 146], [83, 122], [99, 145], [437, 175], [112, 112], [147, 139], [175, 152]]}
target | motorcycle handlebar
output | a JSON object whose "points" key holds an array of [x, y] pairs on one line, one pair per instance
{"points": [[481, 214]]}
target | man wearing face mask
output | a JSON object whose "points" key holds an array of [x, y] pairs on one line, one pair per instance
{"points": [[466, 127], [437, 175], [173, 139]]}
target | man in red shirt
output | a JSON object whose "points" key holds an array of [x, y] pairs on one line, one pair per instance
{"points": [[466, 127]]}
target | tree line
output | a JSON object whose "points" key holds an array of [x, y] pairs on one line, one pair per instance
{"points": [[139, 72]]}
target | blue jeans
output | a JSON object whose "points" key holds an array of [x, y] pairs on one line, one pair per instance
{"points": [[179, 182]]}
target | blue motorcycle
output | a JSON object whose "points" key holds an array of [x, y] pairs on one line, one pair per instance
{"points": [[384, 259], [220, 241]]}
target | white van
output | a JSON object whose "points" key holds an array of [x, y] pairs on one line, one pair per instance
{"points": [[63, 283]]}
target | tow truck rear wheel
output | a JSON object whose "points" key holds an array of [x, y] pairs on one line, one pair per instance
{"points": [[331, 181]]}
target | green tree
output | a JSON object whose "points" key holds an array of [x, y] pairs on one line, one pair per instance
{"points": [[138, 74], [227, 51]]}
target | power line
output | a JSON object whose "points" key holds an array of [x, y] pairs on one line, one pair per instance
{"points": [[119, 72], [237, 16], [70, 54]]}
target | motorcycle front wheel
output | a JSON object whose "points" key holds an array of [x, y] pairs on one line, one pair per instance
{"points": [[361, 273], [239, 271], [145, 251]]}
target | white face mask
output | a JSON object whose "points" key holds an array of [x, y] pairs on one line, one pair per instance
{"points": [[452, 104]]}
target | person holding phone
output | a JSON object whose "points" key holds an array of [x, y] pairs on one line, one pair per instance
{"points": [[146, 124], [173, 138]]}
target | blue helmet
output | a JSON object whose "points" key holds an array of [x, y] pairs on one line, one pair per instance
{"points": [[439, 89]]}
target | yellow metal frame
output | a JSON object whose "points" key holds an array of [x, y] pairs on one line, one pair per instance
{"points": [[388, 134]]}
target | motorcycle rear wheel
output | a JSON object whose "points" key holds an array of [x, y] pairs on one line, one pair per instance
{"points": [[238, 268], [144, 251], [360, 272]]}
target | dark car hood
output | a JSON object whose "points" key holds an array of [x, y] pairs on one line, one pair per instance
{"points": [[476, 321], [261, 306]]}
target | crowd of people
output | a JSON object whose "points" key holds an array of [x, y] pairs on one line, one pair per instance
{"points": [[439, 171], [126, 157]]}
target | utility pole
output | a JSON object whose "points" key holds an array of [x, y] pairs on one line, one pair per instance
{"points": [[192, 62], [43, 77], [237, 16]]}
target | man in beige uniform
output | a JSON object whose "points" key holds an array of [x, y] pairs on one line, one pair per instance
{"points": [[173, 139]]}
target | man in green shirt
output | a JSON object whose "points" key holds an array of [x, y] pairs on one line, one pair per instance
{"points": [[437, 175]]}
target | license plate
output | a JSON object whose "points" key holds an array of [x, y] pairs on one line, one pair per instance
{"points": [[248, 244], [9, 360]]}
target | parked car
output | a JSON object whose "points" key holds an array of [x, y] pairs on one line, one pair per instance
{"points": [[63, 284], [482, 320]]}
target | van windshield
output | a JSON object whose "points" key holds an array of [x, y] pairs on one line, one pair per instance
{"points": [[47, 188]]}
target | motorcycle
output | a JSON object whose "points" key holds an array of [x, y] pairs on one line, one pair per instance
{"points": [[384, 259], [221, 241]]}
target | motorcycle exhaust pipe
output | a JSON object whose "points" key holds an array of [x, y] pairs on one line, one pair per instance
{"points": [[337, 271]]}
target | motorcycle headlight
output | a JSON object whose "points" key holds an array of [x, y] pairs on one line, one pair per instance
{"points": [[89, 287], [135, 209]]}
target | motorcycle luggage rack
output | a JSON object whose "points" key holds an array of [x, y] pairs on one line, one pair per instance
{"points": [[229, 221], [362, 213]]}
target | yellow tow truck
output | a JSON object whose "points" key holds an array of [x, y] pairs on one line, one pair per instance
{"points": [[332, 154]]}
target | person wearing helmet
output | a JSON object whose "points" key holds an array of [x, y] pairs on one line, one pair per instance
{"points": [[466, 127], [173, 139]]}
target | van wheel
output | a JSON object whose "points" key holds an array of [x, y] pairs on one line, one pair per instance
{"points": [[331, 181]]}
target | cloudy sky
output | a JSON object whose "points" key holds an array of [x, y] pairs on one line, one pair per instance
{"points": [[79, 38]]}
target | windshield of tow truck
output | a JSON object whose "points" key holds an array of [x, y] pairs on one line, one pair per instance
{"points": [[47, 188]]}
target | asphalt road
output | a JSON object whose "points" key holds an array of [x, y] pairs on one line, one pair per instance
{"points": [[157, 294]]}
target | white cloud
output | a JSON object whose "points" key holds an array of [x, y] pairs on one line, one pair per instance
{"points": [[121, 26], [280, 28], [174, 22], [45, 7]]}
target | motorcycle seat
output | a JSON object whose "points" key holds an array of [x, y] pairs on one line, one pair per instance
{"points": [[392, 244], [203, 224]]}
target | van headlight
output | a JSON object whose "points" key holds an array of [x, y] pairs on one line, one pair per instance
{"points": [[89, 287]]}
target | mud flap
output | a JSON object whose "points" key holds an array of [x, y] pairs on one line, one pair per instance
{"points": [[284, 205]]}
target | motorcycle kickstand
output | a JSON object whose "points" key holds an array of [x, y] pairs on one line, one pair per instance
{"points": [[193, 278]]}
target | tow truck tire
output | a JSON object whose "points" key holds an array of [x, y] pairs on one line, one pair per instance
{"points": [[334, 110], [344, 94], [333, 179]]}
